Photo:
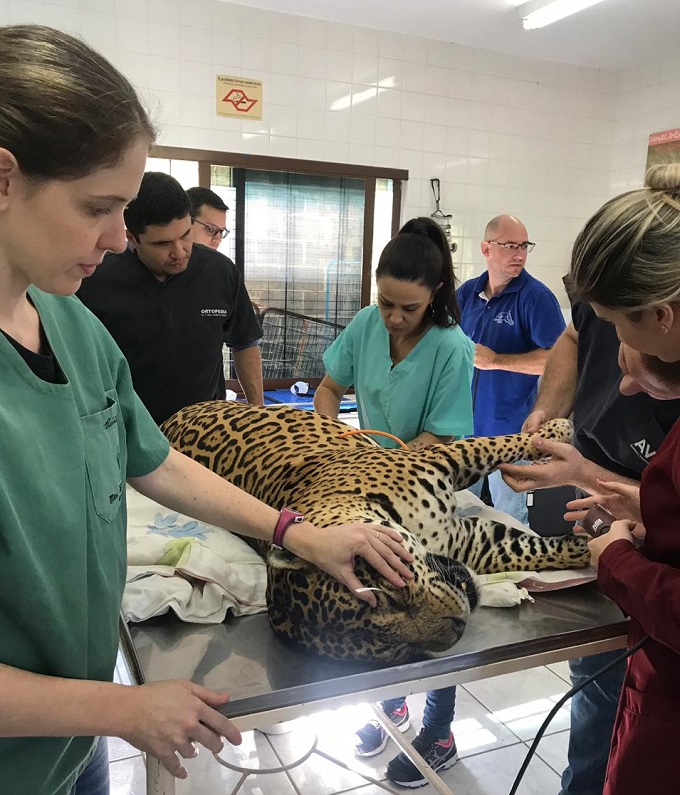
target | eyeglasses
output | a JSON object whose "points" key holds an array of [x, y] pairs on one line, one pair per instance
{"points": [[526, 246], [213, 231]]}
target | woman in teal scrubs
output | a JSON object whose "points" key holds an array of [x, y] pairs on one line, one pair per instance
{"points": [[73, 146], [411, 366], [407, 358]]}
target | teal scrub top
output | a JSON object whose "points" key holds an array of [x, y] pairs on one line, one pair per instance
{"points": [[429, 390], [67, 449]]}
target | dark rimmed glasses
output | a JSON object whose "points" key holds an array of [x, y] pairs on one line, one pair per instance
{"points": [[213, 231]]}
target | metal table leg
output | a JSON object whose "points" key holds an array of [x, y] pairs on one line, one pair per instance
{"points": [[411, 752], [158, 780]]}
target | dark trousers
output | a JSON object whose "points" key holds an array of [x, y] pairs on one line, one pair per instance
{"points": [[439, 708], [593, 711]]}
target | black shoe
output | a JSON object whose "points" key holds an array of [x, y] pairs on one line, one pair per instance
{"points": [[373, 738], [439, 755]]}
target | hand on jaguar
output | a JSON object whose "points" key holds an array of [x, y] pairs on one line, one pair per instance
{"points": [[333, 549], [533, 422], [561, 468]]}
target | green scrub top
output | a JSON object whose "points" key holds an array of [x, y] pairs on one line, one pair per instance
{"points": [[67, 449], [429, 390]]}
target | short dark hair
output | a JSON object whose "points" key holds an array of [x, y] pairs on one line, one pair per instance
{"points": [[201, 196], [161, 200], [421, 253]]}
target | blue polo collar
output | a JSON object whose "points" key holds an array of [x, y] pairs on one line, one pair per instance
{"points": [[513, 287]]}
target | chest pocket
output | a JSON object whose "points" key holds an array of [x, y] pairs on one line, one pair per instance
{"points": [[103, 459]]}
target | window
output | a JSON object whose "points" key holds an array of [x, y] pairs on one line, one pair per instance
{"points": [[184, 171], [303, 240], [307, 237], [221, 181]]}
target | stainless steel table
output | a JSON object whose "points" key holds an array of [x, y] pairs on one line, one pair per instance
{"points": [[271, 681]]}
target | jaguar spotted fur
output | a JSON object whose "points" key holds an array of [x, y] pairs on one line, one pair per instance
{"points": [[294, 458]]}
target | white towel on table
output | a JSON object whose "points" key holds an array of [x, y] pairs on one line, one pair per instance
{"points": [[194, 569]]}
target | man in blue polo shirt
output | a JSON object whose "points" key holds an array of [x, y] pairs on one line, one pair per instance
{"points": [[514, 320]]}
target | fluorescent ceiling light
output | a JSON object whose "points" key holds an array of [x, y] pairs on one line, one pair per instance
{"points": [[539, 14]]}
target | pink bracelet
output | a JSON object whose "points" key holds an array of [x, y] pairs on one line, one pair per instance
{"points": [[285, 520]]}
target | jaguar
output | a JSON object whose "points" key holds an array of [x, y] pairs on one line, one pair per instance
{"points": [[301, 460]]}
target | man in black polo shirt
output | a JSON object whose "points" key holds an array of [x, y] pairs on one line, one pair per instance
{"points": [[170, 305]]}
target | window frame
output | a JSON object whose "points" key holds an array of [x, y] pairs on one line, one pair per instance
{"points": [[369, 174]]}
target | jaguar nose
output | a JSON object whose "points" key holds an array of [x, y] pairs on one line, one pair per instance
{"points": [[459, 625]]}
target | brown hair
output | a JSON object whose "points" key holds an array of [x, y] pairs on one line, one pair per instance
{"points": [[64, 109]]}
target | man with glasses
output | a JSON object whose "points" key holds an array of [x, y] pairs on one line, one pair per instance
{"points": [[514, 320], [209, 213], [172, 305]]}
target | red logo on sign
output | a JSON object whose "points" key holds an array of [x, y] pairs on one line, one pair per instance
{"points": [[239, 100], [667, 137]]}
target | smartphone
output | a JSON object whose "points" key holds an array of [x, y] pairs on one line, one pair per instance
{"points": [[597, 521]]}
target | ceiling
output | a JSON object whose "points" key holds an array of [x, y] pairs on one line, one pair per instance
{"points": [[615, 34]]}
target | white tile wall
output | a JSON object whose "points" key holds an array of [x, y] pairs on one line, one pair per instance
{"points": [[647, 101], [546, 141]]}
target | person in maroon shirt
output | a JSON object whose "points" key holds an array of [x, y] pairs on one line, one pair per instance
{"points": [[626, 263]]}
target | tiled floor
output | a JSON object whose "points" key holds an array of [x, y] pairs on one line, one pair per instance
{"points": [[496, 720]]}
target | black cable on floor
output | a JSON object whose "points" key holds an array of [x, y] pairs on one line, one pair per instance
{"points": [[560, 704]]}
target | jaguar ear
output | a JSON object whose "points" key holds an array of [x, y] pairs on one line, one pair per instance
{"points": [[283, 560]]}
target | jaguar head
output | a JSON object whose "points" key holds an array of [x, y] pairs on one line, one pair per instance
{"points": [[428, 614]]}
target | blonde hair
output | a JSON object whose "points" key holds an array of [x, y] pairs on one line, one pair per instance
{"points": [[627, 256], [64, 109]]}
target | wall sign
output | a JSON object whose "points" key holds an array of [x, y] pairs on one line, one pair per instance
{"points": [[664, 147], [239, 97]]}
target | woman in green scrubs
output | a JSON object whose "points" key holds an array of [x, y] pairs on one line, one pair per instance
{"points": [[73, 146]]}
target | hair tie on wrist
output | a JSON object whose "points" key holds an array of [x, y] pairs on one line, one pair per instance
{"points": [[285, 520]]}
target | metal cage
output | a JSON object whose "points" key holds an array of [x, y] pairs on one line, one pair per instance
{"points": [[292, 344]]}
